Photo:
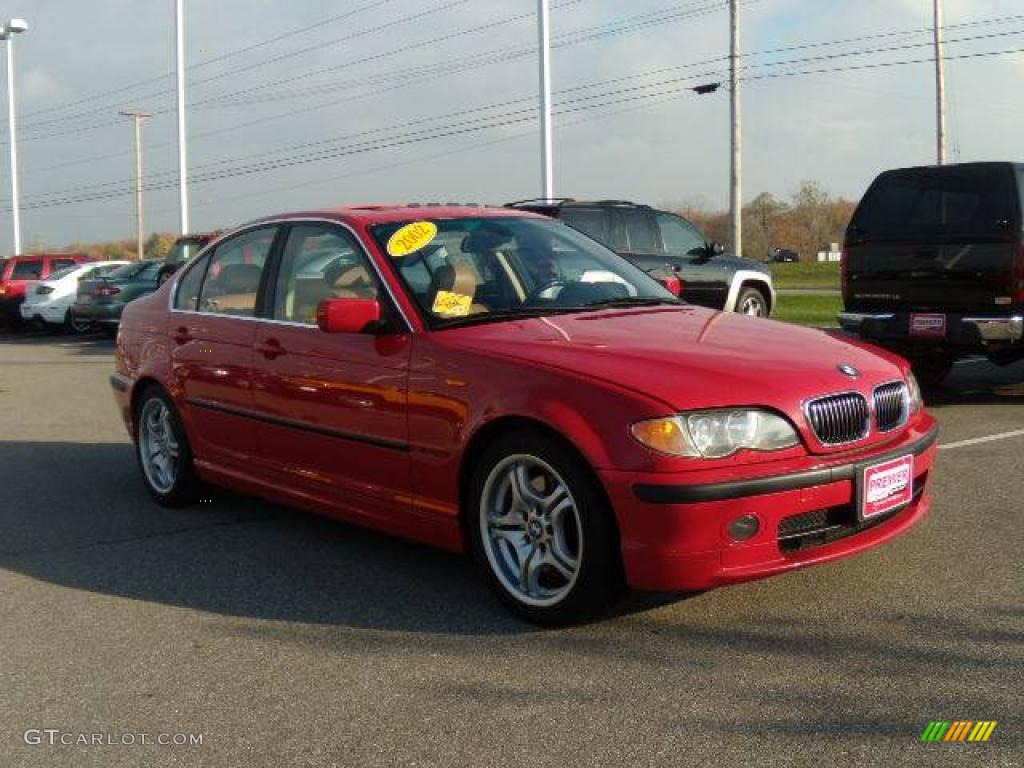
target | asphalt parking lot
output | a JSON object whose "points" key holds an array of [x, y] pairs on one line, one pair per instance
{"points": [[290, 640]]}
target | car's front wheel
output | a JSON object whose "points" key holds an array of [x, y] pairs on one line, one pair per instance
{"points": [[752, 302], [163, 451], [542, 531]]}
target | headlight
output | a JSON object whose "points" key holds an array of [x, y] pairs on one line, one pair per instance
{"points": [[716, 434], [914, 391]]}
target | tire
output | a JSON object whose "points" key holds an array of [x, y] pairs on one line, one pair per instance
{"points": [[576, 572], [752, 302], [172, 482], [932, 370], [71, 325]]}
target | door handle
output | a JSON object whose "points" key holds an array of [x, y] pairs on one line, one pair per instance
{"points": [[181, 335], [270, 349]]}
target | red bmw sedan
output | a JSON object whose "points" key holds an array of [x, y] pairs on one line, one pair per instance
{"points": [[496, 382]]}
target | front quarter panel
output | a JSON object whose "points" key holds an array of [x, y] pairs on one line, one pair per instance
{"points": [[455, 393]]}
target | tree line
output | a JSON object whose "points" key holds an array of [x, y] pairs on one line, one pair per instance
{"points": [[808, 222]]}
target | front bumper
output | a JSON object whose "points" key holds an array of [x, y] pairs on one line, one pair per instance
{"points": [[971, 331], [675, 528]]}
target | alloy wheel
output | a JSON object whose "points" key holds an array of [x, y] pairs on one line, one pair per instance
{"points": [[158, 447], [531, 530]]}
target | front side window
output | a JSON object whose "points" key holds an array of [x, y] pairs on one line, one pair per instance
{"points": [[474, 269], [60, 265], [680, 237], [232, 280], [320, 262], [640, 231]]}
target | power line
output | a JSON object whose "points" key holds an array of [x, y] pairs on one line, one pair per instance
{"points": [[466, 127], [581, 87], [208, 62]]}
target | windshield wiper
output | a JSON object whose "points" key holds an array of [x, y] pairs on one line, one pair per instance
{"points": [[632, 301], [498, 315]]}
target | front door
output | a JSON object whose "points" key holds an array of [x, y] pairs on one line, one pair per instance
{"points": [[332, 407]]}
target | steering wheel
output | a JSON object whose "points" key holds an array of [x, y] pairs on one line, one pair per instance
{"points": [[536, 292]]}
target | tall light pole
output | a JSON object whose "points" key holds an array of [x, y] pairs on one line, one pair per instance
{"points": [[736, 171], [137, 116], [546, 141], [7, 33], [940, 85], [179, 19]]}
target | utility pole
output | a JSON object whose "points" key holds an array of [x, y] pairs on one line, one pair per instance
{"points": [[736, 172], [546, 140], [940, 84], [179, 17], [138, 116], [7, 33]]}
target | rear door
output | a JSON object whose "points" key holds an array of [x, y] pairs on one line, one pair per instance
{"points": [[212, 329], [332, 407], [941, 239]]}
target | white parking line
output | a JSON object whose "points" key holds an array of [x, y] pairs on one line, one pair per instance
{"points": [[979, 440]]}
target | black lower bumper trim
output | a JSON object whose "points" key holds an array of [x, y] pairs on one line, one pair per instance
{"points": [[652, 493]]}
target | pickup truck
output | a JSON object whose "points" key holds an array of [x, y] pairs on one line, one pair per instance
{"points": [[933, 265]]}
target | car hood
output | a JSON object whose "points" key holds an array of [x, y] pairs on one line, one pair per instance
{"points": [[688, 357]]}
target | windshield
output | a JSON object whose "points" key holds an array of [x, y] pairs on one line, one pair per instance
{"points": [[479, 269]]}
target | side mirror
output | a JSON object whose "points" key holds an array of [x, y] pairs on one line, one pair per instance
{"points": [[672, 284], [716, 249], [347, 315]]}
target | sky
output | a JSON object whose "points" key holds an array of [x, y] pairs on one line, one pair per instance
{"points": [[300, 104]]}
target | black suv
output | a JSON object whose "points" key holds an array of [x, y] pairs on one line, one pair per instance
{"points": [[660, 242], [933, 266]]}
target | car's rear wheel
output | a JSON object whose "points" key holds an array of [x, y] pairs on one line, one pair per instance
{"points": [[542, 531], [163, 451], [75, 325], [752, 302]]}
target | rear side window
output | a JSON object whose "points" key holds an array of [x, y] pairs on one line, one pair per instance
{"points": [[189, 286], [233, 278], [27, 270], [591, 222], [978, 201]]}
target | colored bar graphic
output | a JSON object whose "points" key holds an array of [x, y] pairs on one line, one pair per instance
{"points": [[958, 730]]}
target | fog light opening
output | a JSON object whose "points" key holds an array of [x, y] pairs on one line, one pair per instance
{"points": [[744, 528]]}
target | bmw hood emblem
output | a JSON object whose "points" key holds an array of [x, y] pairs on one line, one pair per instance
{"points": [[848, 370]]}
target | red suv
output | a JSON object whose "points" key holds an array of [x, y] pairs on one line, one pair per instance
{"points": [[495, 381], [18, 271]]}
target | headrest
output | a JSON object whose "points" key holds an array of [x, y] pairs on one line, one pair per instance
{"points": [[240, 278]]}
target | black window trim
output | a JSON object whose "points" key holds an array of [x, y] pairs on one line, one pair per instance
{"points": [[283, 226]]}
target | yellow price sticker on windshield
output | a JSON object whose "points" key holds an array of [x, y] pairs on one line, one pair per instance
{"points": [[411, 238], [448, 304]]}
